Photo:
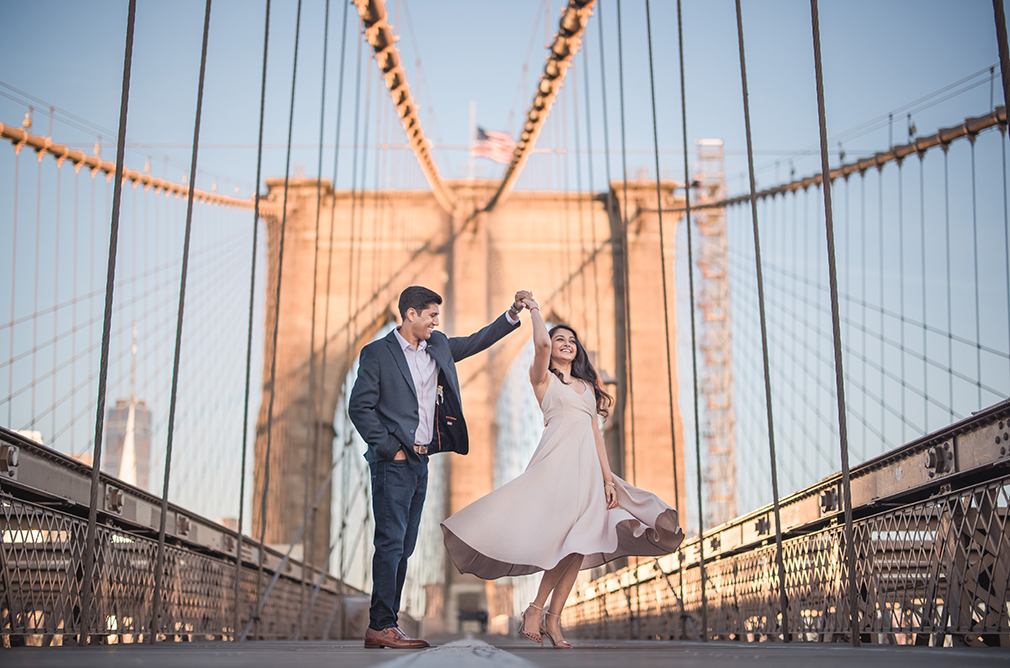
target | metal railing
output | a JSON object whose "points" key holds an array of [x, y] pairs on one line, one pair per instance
{"points": [[43, 517], [932, 542]]}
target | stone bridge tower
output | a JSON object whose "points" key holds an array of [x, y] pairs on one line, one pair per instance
{"points": [[566, 247]]}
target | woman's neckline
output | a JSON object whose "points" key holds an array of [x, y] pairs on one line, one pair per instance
{"points": [[571, 386]]}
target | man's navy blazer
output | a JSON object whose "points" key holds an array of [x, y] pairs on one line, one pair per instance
{"points": [[383, 403]]}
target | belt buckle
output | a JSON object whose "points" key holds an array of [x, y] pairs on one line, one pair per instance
{"points": [[421, 449]]}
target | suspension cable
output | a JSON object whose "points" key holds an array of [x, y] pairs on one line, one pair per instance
{"points": [[90, 546], [352, 321], [160, 567], [277, 311], [783, 598], [690, 276], [626, 255], [333, 218], [850, 550], [974, 248], [252, 302], [578, 191], [592, 221], [310, 460]]}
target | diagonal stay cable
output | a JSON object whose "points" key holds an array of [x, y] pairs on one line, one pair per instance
{"points": [[694, 344], [310, 457], [783, 598], [249, 341], [159, 569], [88, 582], [276, 315], [850, 549], [625, 254], [592, 222], [662, 261]]}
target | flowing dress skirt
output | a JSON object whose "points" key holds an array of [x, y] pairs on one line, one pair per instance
{"points": [[558, 507]]}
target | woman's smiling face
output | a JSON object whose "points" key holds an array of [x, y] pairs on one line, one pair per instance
{"points": [[563, 346]]}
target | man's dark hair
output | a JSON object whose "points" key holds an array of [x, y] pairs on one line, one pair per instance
{"points": [[417, 298]]}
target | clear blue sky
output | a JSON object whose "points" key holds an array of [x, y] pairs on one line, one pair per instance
{"points": [[878, 56]]}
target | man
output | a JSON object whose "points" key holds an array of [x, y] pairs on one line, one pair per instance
{"points": [[405, 405]]}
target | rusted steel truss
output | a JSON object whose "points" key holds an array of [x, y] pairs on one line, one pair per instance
{"points": [[379, 34], [43, 145], [566, 44]]}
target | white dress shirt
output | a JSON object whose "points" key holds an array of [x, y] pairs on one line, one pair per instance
{"points": [[423, 371]]}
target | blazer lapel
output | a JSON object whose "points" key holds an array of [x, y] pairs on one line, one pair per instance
{"points": [[441, 355], [401, 361]]}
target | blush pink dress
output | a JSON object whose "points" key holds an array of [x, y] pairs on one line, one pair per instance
{"points": [[557, 506]]}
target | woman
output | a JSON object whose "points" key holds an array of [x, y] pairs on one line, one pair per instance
{"points": [[567, 511]]}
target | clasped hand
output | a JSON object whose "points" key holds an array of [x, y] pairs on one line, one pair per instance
{"points": [[524, 299]]}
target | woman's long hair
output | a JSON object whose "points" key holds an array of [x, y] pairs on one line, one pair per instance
{"points": [[583, 369]]}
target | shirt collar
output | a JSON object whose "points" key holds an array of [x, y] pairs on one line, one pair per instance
{"points": [[404, 344]]}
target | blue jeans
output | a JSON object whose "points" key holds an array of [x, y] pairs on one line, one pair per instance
{"points": [[397, 498]]}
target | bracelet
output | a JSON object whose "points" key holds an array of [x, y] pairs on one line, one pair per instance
{"points": [[610, 484], [534, 308]]}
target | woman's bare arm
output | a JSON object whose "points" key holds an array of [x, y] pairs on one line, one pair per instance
{"points": [[542, 348], [608, 475]]}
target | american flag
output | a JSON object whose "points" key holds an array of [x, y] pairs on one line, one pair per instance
{"points": [[497, 146]]}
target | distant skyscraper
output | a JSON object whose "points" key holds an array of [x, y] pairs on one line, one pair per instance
{"points": [[128, 434], [128, 438]]}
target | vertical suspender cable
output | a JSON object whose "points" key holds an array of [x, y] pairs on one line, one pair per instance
{"points": [[578, 191], [783, 598], [364, 179], [592, 222], [974, 248], [690, 281], [252, 302], [925, 327], [610, 211], [624, 245], [850, 548], [277, 312], [329, 264], [352, 322], [159, 569], [88, 581], [1004, 68], [310, 462]]}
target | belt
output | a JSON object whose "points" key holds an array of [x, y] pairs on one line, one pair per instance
{"points": [[421, 449]]}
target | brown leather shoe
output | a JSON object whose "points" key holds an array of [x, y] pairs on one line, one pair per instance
{"points": [[392, 637]]}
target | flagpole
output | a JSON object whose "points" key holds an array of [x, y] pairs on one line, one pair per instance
{"points": [[473, 135]]}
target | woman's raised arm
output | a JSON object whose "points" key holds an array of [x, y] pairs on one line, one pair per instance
{"points": [[542, 346]]}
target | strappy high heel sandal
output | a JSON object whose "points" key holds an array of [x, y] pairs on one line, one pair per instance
{"points": [[544, 632], [522, 627]]}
